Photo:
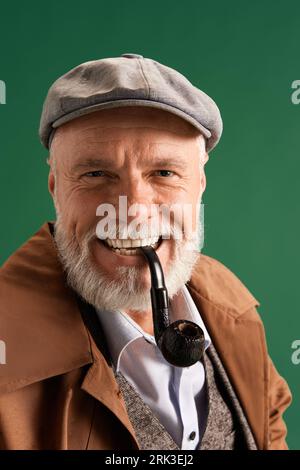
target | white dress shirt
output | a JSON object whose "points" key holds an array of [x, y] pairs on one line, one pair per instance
{"points": [[176, 395]]}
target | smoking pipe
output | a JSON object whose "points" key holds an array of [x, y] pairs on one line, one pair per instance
{"points": [[181, 342]]}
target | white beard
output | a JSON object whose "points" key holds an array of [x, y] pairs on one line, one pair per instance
{"points": [[125, 290]]}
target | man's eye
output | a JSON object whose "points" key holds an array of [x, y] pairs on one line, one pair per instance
{"points": [[94, 174], [165, 173]]}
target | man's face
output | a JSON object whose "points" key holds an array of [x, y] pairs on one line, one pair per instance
{"points": [[148, 155]]}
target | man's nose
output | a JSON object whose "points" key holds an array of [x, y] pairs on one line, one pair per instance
{"points": [[138, 191], [140, 196]]}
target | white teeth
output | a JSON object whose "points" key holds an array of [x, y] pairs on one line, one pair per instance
{"points": [[128, 243], [128, 247]]}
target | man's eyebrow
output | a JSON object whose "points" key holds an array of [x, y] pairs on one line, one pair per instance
{"points": [[178, 162], [103, 163], [92, 163]]}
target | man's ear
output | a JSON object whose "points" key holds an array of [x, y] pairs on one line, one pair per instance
{"points": [[206, 157], [51, 183], [203, 176], [203, 181]]}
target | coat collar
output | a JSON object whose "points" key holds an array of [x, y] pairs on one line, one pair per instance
{"points": [[46, 336]]}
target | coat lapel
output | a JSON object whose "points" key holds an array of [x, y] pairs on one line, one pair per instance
{"points": [[101, 384], [238, 336], [100, 380]]}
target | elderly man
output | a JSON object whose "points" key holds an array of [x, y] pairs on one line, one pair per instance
{"points": [[83, 368]]}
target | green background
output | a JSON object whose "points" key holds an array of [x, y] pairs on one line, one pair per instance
{"points": [[245, 55]]}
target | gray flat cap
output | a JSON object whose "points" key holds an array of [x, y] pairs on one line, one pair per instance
{"points": [[129, 80]]}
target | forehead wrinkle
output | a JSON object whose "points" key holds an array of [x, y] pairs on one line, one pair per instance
{"points": [[152, 144], [138, 145], [98, 141]]}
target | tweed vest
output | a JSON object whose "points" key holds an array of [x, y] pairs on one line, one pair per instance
{"points": [[226, 426]]}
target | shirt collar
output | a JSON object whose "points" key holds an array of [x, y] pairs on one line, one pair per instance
{"points": [[120, 329]]}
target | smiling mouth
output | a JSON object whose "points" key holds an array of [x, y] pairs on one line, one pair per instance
{"points": [[129, 247]]}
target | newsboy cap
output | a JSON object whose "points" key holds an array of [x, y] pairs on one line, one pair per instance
{"points": [[129, 80]]}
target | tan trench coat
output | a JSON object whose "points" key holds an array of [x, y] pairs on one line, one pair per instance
{"points": [[57, 390]]}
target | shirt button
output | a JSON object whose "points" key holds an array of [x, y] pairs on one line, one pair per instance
{"points": [[192, 436]]}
